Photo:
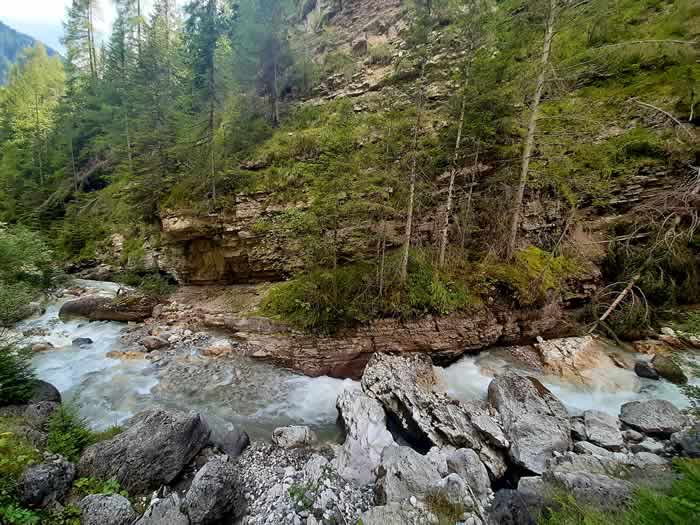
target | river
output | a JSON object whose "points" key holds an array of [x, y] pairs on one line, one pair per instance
{"points": [[248, 395]]}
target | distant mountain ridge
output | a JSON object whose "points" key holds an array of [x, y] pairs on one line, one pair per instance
{"points": [[11, 44]]}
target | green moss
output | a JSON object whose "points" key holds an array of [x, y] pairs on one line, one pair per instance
{"points": [[534, 274]]}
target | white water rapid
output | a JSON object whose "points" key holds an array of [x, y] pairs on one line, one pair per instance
{"points": [[238, 393], [608, 390], [248, 395]]}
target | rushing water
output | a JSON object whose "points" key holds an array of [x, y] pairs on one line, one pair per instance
{"points": [[608, 389], [237, 393], [256, 397]]}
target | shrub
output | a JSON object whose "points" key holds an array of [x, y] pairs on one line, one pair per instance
{"points": [[16, 375], [326, 300], [16, 454], [380, 54], [69, 434]]}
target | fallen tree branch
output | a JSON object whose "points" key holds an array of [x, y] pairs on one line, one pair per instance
{"points": [[664, 112], [616, 302]]}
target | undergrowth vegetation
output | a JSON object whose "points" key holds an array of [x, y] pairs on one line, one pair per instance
{"points": [[679, 506]]}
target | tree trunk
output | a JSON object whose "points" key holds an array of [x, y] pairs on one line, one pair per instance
{"points": [[128, 142], [138, 27], [453, 172], [532, 128], [412, 184]]}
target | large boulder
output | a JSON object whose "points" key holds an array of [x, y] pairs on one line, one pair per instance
{"points": [[603, 429], [654, 417], [46, 483], [466, 464], [597, 490], [294, 436], [510, 507], [366, 437], [98, 308], [574, 358], [152, 451], [214, 492], [164, 511], [106, 509], [403, 473], [687, 441], [393, 514], [408, 389], [44, 391], [534, 420], [644, 368]]}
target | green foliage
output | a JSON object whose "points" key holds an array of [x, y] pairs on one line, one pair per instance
{"points": [[26, 268], [298, 494], [69, 434], [16, 454], [680, 506], [534, 274], [446, 511], [16, 375], [327, 300], [690, 323], [152, 284], [86, 486], [380, 54]]}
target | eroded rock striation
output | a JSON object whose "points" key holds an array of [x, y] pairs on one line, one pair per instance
{"points": [[407, 388]]}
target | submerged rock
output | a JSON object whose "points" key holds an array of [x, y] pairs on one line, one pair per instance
{"points": [[106, 509], [534, 420], [152, 451], [366, 438], [293, 436], [655, 417], [46, 483], [81, 341], [645, 369]]}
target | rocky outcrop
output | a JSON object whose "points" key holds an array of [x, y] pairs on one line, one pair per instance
{"points": [[106, 509], [366, 436], [214, 492], [46, 483], [346, 353], [153, 450], [164, 511], [403, 473], [654, 417], [687, 441], [597, 490], [98, 308], [293, 436], [575, 359], [534, 420], [406, 387], [603, 429]]}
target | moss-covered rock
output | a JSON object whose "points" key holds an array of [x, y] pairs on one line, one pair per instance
{"points": [[667, 368]]}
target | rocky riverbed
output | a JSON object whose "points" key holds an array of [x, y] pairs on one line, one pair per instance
{"points": [[484, 440]]}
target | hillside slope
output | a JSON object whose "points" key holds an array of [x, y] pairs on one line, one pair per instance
{"points": [[12, 42]]}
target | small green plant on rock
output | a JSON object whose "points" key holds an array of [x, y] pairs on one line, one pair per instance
{"points": [[69, 434], [16, 376], [87, 486]]}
